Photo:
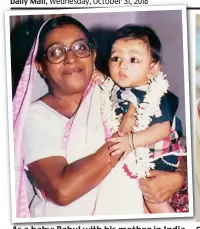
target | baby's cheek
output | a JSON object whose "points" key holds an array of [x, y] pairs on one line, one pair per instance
{"points": [[113, 65], [112, 72], [136, 71]]}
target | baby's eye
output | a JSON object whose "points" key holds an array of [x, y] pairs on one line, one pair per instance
{"points": [[134, 60], [115, 58]]}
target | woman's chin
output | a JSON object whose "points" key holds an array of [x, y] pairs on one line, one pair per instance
{"points": [[76, 88]]}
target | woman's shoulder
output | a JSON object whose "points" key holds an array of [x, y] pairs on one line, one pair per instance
{"points": [[40, 110], [39, 107]]}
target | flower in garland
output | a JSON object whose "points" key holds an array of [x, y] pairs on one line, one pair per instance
{"points": [[140, 162]]}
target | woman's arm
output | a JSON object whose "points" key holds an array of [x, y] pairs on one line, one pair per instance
{"points": [[161, 185], [64, 183]]}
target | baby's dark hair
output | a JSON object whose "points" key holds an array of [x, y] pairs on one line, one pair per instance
{"points": [[144, 33], [59, 22]]}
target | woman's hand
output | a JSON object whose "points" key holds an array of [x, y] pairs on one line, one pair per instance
{"points": [[98, 77], [161, 185]]}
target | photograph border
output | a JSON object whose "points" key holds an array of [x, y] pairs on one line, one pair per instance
{"points": [[187, 113]]}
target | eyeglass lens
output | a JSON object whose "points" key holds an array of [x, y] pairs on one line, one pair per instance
{"points": [[56, 53]]}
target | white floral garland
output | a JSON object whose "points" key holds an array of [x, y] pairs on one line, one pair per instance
{"points": [[138, 162], [110, 119]]}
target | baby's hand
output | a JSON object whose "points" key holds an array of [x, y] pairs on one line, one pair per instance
{"points": [[124, 144], [98, 77]]}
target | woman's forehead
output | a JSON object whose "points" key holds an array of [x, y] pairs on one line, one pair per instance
{"points": [[66, 34]]}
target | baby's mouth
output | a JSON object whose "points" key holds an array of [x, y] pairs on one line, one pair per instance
{"points": [[122, 75]]}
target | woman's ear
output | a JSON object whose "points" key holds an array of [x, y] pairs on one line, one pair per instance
{"points": [[39, 69], [154, 69], [94, 54]]}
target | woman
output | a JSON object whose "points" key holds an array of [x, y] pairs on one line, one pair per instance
{"points": [[61, 137]]}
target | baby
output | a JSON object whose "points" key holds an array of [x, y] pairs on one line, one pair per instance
{"points": [[134, 65]]}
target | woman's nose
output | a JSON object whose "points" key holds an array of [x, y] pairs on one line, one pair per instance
{"points": [[70, 57]]}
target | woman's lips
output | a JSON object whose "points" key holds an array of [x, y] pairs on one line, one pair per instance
{"points": [[72, 71]]}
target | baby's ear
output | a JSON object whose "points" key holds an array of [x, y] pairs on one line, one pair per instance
{"points": [[154, 69]]}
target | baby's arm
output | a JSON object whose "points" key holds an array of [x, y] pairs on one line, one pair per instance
{"points": [[125, 145], [127, 142], [151, 135], [128, 120]]}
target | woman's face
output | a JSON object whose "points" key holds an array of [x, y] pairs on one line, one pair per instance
{"points": [[73, 74]]}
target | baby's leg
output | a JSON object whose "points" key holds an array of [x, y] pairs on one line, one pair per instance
{"points": [[146, 211], [160, 208]]}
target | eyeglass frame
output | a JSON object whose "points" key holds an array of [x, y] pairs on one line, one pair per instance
{"points": [[67, 49]]}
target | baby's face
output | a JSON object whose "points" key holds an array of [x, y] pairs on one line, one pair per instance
{"points": [[130, 62]]}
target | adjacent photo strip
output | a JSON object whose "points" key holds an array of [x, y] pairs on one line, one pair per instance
{"points": [[196, 20], [99, 114]]}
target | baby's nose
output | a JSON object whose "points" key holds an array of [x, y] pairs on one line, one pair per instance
{"points": [[123, 65]]}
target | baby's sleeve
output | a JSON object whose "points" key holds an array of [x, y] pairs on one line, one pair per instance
{"points": [[168, 107]]}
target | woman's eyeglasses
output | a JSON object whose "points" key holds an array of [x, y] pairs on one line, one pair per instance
{"points": [[56, 53]]}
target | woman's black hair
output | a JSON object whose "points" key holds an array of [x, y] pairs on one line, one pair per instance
{"points": [[144, 33], [59, 22]]}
